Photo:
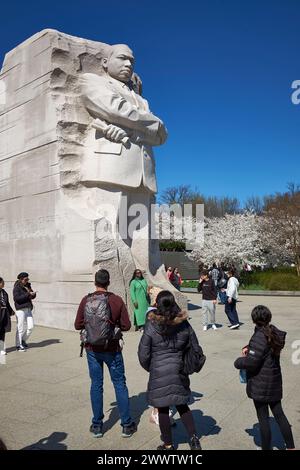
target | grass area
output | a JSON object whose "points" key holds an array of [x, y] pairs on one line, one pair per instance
{"points": [[272, 279], [190, 284], [254, 287], [281, 279]]}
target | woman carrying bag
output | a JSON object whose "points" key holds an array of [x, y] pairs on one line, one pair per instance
{"points": [[140, 298], [166, 342]]}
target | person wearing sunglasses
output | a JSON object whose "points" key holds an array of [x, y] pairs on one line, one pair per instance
{"points": [[140, 298]]}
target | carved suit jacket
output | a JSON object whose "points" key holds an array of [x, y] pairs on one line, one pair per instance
{"points": [[115, 103]]}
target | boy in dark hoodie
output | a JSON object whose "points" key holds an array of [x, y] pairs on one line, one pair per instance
{"points": [[261, 360]]}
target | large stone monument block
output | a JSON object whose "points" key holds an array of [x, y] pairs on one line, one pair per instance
{"points": [[57, 172]]}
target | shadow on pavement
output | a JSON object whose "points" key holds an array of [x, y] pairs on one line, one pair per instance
{"points": [[205, 426], [41, 344], [138, 404], [192, 307], [52, 442], [277, 439]]}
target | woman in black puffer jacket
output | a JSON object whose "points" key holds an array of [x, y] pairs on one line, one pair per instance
{"points": [[165, 338], [261, 360]]}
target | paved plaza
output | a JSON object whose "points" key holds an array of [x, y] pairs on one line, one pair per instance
{"points": [[45, 402]]}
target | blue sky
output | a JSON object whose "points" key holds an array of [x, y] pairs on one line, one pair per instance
{"points": [[218, 73]]}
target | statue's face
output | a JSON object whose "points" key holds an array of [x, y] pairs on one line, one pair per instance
{"points": [[120, 64]]}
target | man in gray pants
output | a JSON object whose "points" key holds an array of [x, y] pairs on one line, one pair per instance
{"points": [[209, 300]]}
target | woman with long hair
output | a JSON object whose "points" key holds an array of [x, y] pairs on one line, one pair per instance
{"points": [[154, 291], [261, 360], [139, 294], [161, 350]]}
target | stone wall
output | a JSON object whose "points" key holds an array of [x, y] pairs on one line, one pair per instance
{"points": [[42, 126]]}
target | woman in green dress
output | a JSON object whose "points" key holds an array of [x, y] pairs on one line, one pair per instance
{"points": [[139, 295]]}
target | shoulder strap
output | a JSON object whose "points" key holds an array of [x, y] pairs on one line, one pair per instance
{"points": [[142, 286]]}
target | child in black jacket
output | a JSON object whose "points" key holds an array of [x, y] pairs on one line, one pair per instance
{"points": [[261, 360]]}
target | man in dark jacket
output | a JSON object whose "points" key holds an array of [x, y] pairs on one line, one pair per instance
{"points": [[111, 355], [23, 296]]}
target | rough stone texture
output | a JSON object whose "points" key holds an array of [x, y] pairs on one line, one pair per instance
{"points": [[48, 218], [45, 403]]}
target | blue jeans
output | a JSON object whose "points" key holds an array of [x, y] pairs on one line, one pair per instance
{"points": [[115, 364], [230, 310]]}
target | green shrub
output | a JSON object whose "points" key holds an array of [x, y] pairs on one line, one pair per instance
{"points": [[172, 245], [189, 284], [247, 279], [283, 281], [255, 287], [272, 279], [285, 269]]}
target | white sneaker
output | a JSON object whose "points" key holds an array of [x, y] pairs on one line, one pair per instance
{"points": [[205, 328], [3, 353], [214, 327], [232, 327]]}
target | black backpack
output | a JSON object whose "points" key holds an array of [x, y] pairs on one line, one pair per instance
{"points": [[99, 329]]}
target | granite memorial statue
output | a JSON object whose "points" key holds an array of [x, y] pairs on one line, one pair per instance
{"points": [[76, 140]]}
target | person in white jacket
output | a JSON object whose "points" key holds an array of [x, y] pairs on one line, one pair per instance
{"points": [[230, 304]]}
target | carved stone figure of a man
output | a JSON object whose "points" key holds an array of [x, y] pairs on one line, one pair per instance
{"points": [[123, 162], [111, 98]]}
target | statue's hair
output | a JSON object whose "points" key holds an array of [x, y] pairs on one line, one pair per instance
{"points": [[111, 49], [136, 82]]}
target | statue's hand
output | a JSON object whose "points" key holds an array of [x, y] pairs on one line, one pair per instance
{"points": [[114, 133]]}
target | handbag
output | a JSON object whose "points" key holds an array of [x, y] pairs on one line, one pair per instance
{"points": [[193, 357]]}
